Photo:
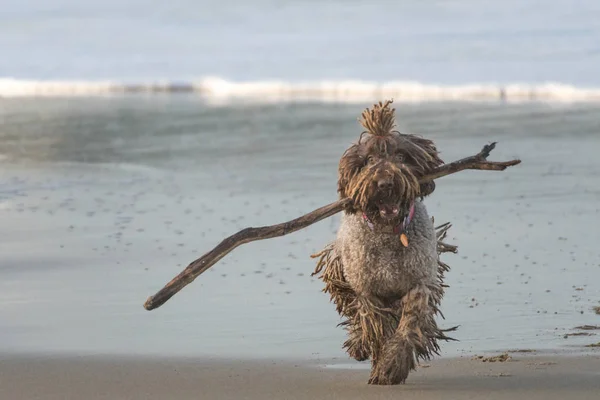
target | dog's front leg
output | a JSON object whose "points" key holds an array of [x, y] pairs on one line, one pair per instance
{"points": [[415, 336]]}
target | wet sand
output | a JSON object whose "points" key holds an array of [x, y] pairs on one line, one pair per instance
{"points": [[90, 378], [103, 201], [95, 220]]}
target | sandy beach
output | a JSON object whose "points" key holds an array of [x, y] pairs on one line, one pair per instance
{"points": [[95, 378]]}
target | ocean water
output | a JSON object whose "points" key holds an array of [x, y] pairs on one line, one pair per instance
{"points": [[345, 50], [134, 136]]}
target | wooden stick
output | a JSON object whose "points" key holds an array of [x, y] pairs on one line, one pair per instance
{"points": [[197, 267], [247, 235], [478, 161]]}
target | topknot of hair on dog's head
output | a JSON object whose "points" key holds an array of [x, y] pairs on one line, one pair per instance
{"points": [[380, 120]]}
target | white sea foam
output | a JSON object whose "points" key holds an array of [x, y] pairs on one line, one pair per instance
{"points": [[221, 90]]}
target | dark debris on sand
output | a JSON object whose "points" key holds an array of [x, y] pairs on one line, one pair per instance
{"points": [[588, 327], [578, 334], [499, 358]]}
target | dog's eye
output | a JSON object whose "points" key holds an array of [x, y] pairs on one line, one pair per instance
{"points": [[399, 157], [370, 160]]}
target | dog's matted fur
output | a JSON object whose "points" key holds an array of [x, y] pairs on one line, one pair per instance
{"points": [[383, 270]]}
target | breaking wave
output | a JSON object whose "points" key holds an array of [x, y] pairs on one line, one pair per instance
{"points": [[221, 90]]}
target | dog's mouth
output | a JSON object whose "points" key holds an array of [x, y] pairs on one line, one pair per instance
{"points": [[388, 210]]}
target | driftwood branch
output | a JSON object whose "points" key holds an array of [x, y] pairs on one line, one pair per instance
{"points": [[197, 267], [478, 161]]}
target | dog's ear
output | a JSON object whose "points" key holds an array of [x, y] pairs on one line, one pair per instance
{"points": [[425, 189], [349, 166], [423, 157]]}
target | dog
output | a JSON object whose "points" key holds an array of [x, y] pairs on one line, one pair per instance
{"points": [[383, 270]]}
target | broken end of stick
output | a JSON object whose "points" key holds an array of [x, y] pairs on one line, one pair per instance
{"points": [[510, 163], [501, 166], [487, 149], [149, 304]]}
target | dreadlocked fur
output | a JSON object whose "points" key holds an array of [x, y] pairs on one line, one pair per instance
{"points": [[387, 294], [361, 189], [408, 158], [380, 121], [368, 331]]}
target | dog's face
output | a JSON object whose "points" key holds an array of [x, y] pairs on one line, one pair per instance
{"points": [[381, 174]]}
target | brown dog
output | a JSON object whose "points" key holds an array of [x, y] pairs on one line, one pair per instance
{"points": [[383, 271]]}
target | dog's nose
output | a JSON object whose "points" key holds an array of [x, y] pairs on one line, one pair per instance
{"points": [[384, 184]]}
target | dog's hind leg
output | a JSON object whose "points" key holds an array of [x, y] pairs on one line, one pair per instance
{"points": [[346, 301], [367, 321], [369, 324], [415, 337], [356, 346]]}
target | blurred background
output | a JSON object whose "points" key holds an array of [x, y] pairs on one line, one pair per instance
{"points": [[136, 135]]}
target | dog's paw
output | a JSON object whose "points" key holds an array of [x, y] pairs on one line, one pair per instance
{"points": [[393, 368], [389, 375], [359, 354], [357, 349]]}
